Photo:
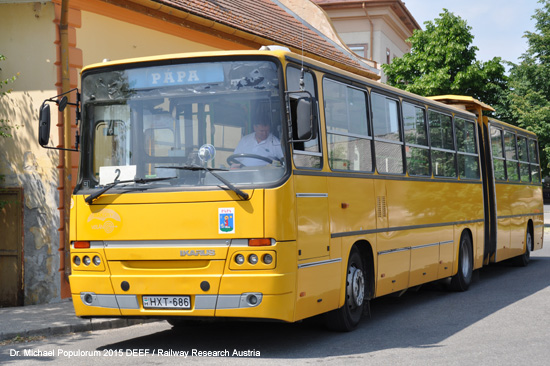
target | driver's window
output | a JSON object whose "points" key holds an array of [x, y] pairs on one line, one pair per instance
{"points": [[306, 154], [111, 138]]}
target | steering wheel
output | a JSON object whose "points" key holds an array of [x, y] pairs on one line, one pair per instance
{"points": [[232, 159]]}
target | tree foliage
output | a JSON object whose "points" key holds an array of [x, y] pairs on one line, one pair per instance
{"points": [[4, 124], [528, 102], [443, 61]]}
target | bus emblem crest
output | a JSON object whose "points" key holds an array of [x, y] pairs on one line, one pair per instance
{"points": [[226, 220]]}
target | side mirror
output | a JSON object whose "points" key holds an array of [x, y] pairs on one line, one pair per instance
{"points": [[305, 119], [44, 119], [44, 125], [303, 116]]}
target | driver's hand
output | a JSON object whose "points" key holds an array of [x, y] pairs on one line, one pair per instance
{"points": [[236, 166]]}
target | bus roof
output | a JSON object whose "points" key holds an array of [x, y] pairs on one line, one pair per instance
{"points": [[463, 101], [274, 51]]}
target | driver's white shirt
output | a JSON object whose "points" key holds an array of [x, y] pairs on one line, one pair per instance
{"points": [[269, 148]]}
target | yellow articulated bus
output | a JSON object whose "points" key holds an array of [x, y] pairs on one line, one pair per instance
{"points": [[261, 184]]}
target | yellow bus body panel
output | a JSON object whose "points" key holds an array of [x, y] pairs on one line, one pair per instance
{"points": [[168, 217], [516, 205], [142, 243]]}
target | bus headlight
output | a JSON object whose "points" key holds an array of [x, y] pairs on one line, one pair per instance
{"points": [[86, 260], [239, 259], [253, 259], [267, 258], [97, 260]]}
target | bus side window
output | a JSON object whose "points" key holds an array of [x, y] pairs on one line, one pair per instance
{"points": [[387, 135], [498, 153], [348, 137], [442, 143], [417, 152], [523, 157], [468, 162], [306, 154], [511, 156], [534, 161]]}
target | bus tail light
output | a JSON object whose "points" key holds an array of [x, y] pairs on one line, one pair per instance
{"points": [[259, 242], [81, 244]]}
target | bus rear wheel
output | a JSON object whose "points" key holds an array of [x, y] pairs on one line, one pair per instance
{"points": [[523, 260], [461, 281], [348, 316]]}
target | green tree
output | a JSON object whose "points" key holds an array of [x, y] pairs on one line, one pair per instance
{"points": [[443, 61], [528, 101], [5, 128]]}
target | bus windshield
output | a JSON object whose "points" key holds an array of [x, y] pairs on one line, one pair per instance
{"points": [[181, 122]]}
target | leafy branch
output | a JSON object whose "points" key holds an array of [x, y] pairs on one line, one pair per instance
{"points": [[5, 128]]}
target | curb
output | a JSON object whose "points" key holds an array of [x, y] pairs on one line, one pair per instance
{"points": [[86, 325]]}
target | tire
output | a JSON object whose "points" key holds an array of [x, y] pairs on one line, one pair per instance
{"points": [[523, 260], [348, 316], [463, 278]]}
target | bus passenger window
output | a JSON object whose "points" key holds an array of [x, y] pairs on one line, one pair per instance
{"points": [[511, 156], [306, 154], [442, 142], [417, 152], [523, 157], [388, 143], [498, 154], [534, 161], [468, 163], [348, 137]]}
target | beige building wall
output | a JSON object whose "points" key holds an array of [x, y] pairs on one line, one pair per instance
{"points": [[101, 37], [27, 37], [354, 27]]}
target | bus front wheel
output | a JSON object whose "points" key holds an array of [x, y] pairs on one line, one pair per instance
{"points": [[461, 281], [348, 316]]}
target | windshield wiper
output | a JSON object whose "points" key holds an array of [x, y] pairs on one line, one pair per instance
{"points": [[96, 195], [229, 185]]}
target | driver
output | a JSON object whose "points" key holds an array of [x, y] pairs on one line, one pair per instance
{"points": [[260, 142]]}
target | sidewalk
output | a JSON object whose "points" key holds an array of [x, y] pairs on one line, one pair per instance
{"points": [[53, 319]]}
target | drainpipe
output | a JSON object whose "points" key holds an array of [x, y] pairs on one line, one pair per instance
{"points": [[371, 32], [65, 87]]}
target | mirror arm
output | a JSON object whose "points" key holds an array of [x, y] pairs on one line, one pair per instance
{"points": [[57, 101], [60, 148], [56, 98]]}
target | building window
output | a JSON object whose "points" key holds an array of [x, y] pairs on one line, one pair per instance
{"points": [[388, 60], [360, 50]]}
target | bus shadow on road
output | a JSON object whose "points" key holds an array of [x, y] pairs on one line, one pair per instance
{"points": [[421, 318]]}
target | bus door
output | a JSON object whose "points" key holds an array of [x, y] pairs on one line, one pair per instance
{"points": [[312, 213], [489, 204], [500, 233]]}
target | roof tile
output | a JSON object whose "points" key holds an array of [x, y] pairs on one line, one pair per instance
{"points": [[266, 19]]}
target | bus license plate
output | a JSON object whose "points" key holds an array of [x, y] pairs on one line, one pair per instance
{"points": [[166, 302]]}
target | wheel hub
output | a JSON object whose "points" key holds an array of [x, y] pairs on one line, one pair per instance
{"points": [[356, 287]]}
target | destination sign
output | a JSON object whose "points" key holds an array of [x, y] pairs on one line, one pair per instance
{"points": [[174, 75]]}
